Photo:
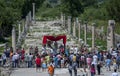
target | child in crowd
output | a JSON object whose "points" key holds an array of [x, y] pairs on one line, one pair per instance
{"points": [[44, 66]]}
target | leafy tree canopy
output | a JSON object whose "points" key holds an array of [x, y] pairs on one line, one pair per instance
{"points": [[71, 7], [113, 9]]}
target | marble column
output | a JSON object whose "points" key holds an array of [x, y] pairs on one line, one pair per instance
{"points": [[23, 28], [77, 25], [30, 18], [69, 24], [19, 31], [14, 39], [93, 35], [74, 29], [110, 34], [85, 34], [33, 12], [61, 18], [64, 21], [79, 28], [26, 23]]}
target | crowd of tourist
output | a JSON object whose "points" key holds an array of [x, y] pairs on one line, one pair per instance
{"points": [[71, 57]]}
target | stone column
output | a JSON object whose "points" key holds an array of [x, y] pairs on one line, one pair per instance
{"points": [[74, 29], [19, 31], [64, 21], [85, 34], [93, 35], [30, 18], [23, 28], [33, 12], [79, 28], [14, 39], [61, 18], [69, 24], [77, 25], [26, 23], [110, 34]]}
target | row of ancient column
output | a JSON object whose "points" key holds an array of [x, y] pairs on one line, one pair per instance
{"points": [[76, 27], [29, 20]]}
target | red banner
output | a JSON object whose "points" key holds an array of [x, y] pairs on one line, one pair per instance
{"points": [[53, 38]]}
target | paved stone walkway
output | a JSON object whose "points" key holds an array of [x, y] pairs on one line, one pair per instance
{"points": [[58, 72]]}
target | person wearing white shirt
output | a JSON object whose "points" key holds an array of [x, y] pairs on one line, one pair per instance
{"points": [[75, 50], [13, 60], [30, 60], [95, 59], [115, 73], [16, 57]]}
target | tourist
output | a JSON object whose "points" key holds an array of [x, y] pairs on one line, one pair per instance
{"points": [[36, 50], [118, 60], [88, 60], [70, 69], [95, 60], [51, 70], [55, 59], [31, 50], [115, 73], [15, 59], [75, 68], [26, 59], [115, 64], [99, 67], [44, 66], [30, 60], [38, 63], [47, 57], [23, 51], [92, 70], [108, 63]]}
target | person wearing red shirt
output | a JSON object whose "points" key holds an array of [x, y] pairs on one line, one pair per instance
{"points": [[38, 63], [23, 51], [22, 54]]}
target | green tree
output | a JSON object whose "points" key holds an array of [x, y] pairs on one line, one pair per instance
{"points": [[12, 11], [71, 7], [113, 9], [88, 3], [27, 6]]}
